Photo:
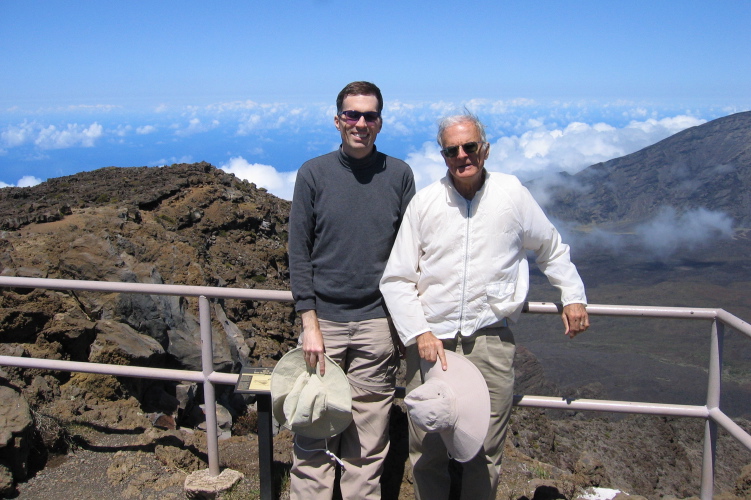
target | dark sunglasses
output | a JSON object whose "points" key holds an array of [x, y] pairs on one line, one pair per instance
{"points": [[469, 148], [353, 117]]}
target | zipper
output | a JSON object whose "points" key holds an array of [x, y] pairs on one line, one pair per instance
{"points": [[466, 265]]}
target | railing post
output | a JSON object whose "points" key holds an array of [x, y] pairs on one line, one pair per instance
{"points": [[714, 386], [209, 395], [708, 459], [265, 446]]}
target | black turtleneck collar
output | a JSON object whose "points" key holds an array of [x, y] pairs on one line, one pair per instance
{"points": [[358, 163]]}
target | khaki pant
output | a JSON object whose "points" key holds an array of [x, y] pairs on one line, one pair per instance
{"points": [[491, 350], [366, 352]]}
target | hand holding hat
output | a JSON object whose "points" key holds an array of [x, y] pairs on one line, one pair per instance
{"points": [[454, 403], [308, 403]]}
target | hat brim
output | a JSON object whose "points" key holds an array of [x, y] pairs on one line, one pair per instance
{"points": [[465, 439], [335, 383]]}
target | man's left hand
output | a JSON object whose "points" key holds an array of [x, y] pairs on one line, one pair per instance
{"points": [[575, 319]]}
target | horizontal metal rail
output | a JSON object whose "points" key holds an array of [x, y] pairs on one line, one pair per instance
{"points": [[119, 370], [147, 288], [208, 377], [231, 379], [610, 406]]}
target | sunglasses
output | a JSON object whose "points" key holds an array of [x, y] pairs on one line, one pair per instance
{"points": [[469, 148], [353, 117]]}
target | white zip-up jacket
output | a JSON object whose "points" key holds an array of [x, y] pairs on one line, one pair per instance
{"points": [[459, 265]]}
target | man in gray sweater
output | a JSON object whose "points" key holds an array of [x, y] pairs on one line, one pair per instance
{"points": [[346, 211]]}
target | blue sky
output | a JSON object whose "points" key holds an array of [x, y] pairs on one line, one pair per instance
{"points": [[250, 86]]}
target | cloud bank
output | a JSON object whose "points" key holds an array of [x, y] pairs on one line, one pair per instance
{"points": [[542, 150], [691, 230], [668, 234], [50, 136], [265, 142]]}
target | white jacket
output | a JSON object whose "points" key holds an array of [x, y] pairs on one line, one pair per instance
{"points": [[458, 265]]}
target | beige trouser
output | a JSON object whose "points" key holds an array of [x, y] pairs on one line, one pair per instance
{"points": [[366, 352], [492, 351]]}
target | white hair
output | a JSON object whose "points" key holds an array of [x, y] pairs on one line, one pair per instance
{"points": [[466, 117]]}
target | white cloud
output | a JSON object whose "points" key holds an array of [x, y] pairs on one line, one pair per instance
{"points": [[666, 126], [25, 181], [282, 116], [502, 107], [670, 231], [146, 129], [196, 126], [667, 234], [123, 130], [28, 181], [16, 135], [232, 106], [578, 145], [427, 164], [543, 187], [171, 161], [52, 137], [249, 123], [72, 135], [281, 184], [105, 108]]}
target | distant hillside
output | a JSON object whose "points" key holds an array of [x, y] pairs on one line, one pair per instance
{"points": [[708, 166], [704, 167]]}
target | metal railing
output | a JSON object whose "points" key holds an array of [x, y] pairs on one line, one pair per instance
{"points": [[710, 412]]}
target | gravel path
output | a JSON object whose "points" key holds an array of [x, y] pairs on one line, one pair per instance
{"points": [[109, 466]]}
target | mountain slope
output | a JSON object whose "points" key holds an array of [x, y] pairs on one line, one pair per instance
{"points": [[708, 166]]}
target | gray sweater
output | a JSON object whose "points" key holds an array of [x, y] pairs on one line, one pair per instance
{"points": [[344, 219]]}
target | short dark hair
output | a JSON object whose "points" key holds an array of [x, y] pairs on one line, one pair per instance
{"points": [[359, 88]]}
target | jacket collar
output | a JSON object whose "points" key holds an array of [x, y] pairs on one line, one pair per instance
{"points": [[452, 194]]}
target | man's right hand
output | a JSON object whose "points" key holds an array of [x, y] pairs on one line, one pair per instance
{"points": [[431, 348], [312, 340]]}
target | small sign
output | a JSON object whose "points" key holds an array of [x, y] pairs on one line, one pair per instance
{"points": [[254, 381]]}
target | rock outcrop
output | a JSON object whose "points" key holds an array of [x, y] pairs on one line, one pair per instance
{"points": [[16, 428], [185, 224]]}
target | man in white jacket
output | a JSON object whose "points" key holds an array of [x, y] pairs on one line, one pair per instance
{"points": [[457, 278]]}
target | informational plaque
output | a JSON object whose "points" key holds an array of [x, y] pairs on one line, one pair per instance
{"points": [[254, 381]]}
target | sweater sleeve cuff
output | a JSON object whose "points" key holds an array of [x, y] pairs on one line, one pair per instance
{"points": [[305, 304]]}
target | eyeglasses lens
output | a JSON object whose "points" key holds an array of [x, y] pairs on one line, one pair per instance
{"points": [[353, 117], [453, 151]]}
